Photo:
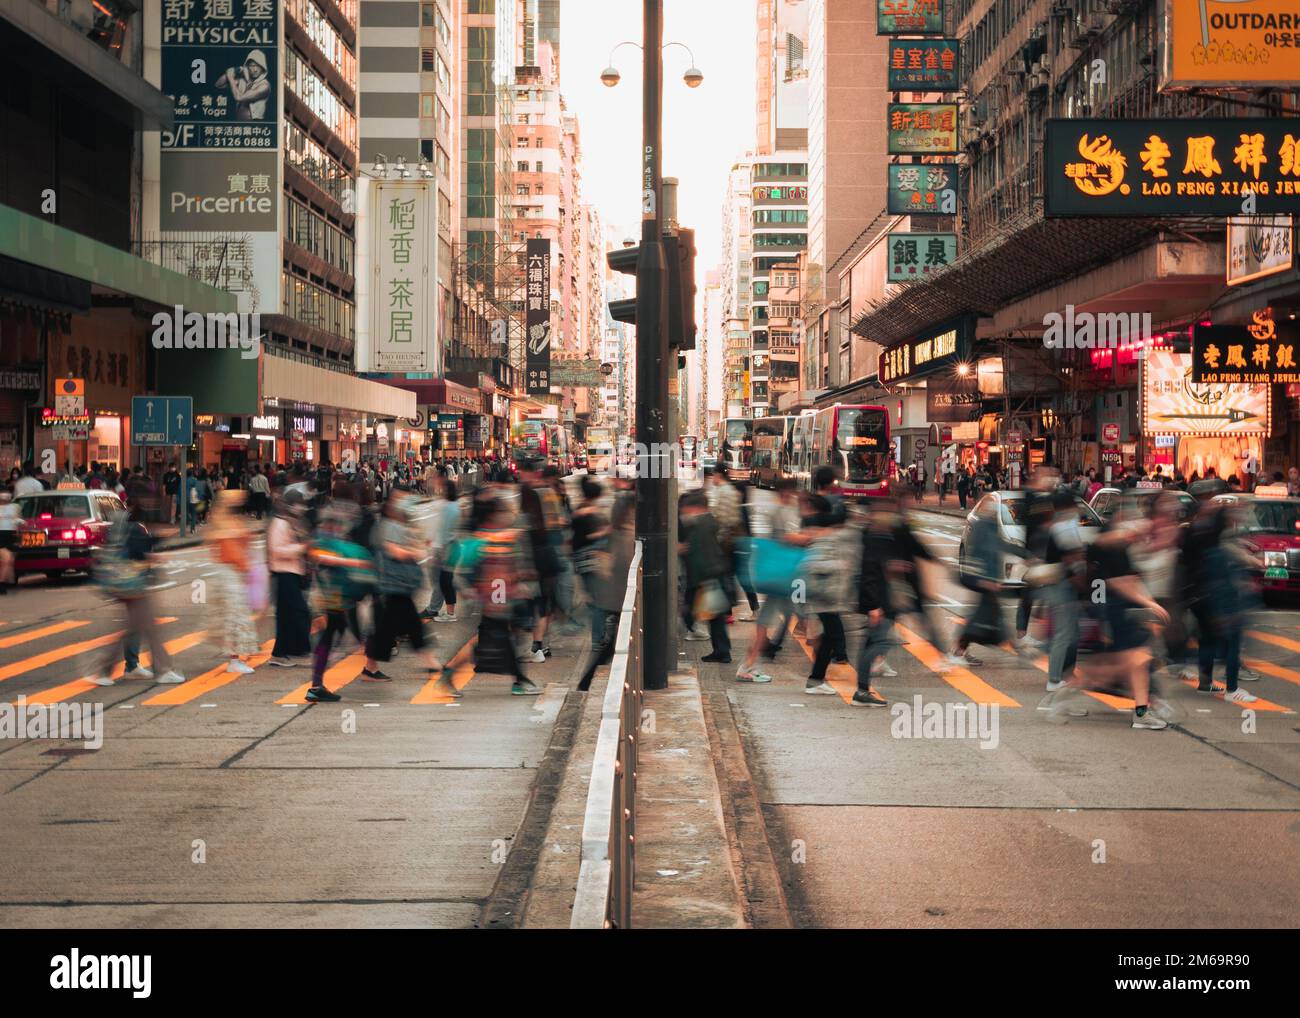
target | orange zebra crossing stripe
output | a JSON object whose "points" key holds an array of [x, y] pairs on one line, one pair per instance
{"points": [[37, 634], [50, 657], [76, 687]]}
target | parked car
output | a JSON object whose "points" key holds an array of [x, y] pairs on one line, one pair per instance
{"points": [[1009, 507], [59, 530]]}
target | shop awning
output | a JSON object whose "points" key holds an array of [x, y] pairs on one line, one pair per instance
{"points": [[283, 378], [440, 392]]}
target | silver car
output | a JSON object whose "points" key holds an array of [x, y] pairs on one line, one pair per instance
{"points": [[1008, 508]]}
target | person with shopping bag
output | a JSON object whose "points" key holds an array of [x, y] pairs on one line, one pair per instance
{"points": [[707, 566], [234, 580], [286, 548], [774, 565]]}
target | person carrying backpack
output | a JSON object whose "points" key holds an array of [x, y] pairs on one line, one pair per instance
{"points": [[345, 572], [122, 570]]}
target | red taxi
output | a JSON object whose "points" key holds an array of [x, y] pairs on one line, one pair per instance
{"points": [[58, 530], [1270, 528]]}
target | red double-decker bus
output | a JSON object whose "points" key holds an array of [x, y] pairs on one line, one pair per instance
{"points": [[851, 439]]}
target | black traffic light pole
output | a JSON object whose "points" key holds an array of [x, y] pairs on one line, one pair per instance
{"points": [[653, 466]]}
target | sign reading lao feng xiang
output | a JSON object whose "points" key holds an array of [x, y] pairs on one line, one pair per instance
{"points": [[1190, 167], [1263, 352], [538, 315], [220, 67]]}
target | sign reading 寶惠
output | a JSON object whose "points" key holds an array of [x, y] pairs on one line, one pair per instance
{"points": [[927, 129], [922, 189], [538, 315], [909, 17], [1188, 167], [923, 65], [1259, 246]]}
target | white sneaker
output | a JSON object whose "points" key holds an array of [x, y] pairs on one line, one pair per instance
{"points": [[171, 678], [1247, 675], [957, 660], [695, 634], [238, 667], [881, 668], [1150, 721], [825, 689], [538, 656], [1240, 696], [102, 680], [444, 617], [1052, 687], [138, 672]]}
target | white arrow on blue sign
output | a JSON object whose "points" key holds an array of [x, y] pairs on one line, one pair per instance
{"points": [[162, 420]]}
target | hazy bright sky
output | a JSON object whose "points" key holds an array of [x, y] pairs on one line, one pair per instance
{"points": [[706, 129]]}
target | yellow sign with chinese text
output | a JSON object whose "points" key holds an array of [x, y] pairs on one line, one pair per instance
{"points": [[1230, 43]]}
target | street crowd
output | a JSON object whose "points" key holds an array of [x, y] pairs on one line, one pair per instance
{"points": [[1135, 595]]}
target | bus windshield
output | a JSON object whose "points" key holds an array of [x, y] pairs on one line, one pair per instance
{"points": [[862, 439]]}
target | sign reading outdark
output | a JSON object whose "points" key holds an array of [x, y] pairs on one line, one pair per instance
{"points": [[923, 65], [1263, 351], [909, 17], [1173, 167], [538, 316]]}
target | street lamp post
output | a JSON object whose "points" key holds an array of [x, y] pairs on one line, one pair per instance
{"points": [[652, 371]]}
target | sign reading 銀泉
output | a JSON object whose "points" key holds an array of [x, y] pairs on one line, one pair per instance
{"points": [[1259, 246], [917, 255], [1189, 167], [1230, 43], [1264, 351], [219, 66], [923, 65], [923, 129], [401, 327], [538, 315], [909, 17], [922, 189]]}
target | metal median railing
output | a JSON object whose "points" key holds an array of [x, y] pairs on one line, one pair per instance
{"points": [[604, 893]]}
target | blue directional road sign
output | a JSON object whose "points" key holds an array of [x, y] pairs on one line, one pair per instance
{"points": [[162, 420]]}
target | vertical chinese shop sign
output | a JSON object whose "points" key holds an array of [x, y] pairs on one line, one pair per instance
{"points": [[538, 320]]}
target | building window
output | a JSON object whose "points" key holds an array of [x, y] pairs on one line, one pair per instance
{"points": [[427, 104], [428, 13], [426, 149], [537, 142], [428, 56], [539, 167], [539, 188], [521, 118]]}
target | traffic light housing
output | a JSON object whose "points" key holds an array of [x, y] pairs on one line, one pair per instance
{"points": [[679, 252]]}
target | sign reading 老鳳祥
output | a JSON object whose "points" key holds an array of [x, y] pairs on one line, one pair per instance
{"points": [[538, 315], [917, 255], [219, 66], [909, 17], [1189, 167], [401, 326], [923, 129], [1263, 351], [923, 65], [1259, 246], [922, 189]]}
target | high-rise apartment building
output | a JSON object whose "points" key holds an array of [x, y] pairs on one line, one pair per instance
{"points": [[781, 76], [847, 143]]}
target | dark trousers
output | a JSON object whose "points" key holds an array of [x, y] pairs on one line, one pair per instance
{"points": [[336, 624], [292, 619], [396, 617], [447, 584], [1221, 640], [1024, 609], [602, 650], [831, 645]]}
